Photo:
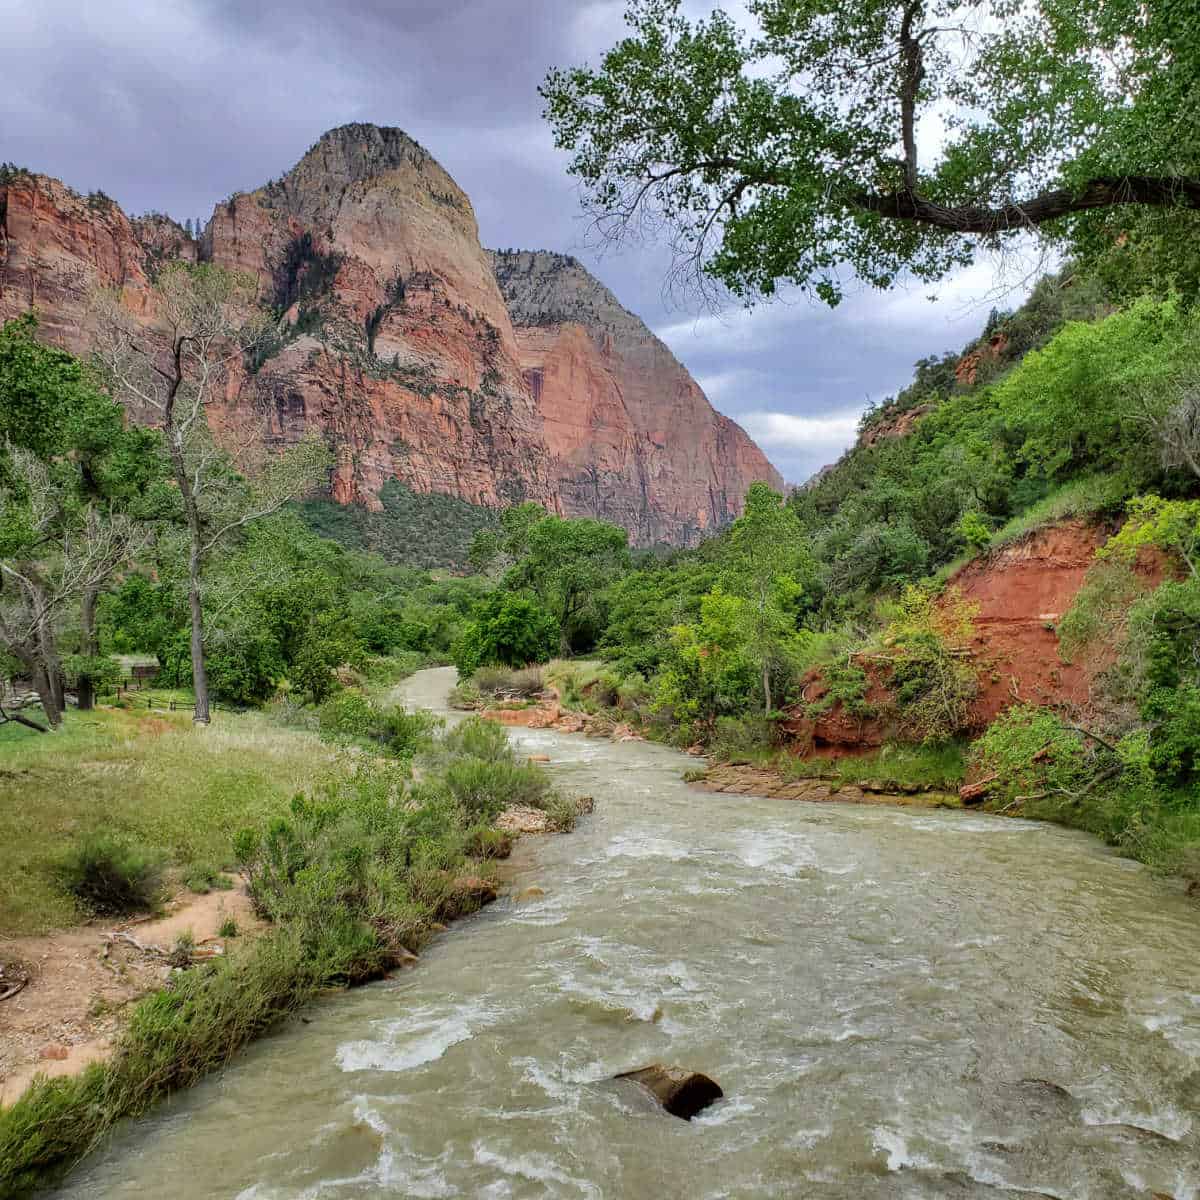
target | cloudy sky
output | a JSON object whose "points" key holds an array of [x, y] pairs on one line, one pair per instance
{"points": [[174, 104]]}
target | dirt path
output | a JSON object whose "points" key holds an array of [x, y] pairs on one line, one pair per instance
{"points": [[81, 984]]}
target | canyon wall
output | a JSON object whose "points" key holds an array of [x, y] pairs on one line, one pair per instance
{"points": [[394, 340], [632, 437]]}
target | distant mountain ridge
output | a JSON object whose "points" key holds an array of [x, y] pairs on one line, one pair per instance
{"points": [[420, 357]]}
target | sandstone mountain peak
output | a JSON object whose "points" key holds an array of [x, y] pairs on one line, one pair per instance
{"points": [[362, 151], [542, 287], [593, 365], [420, 357]]}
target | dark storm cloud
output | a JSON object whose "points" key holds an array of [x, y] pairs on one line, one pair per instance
{"points": [[175, 105]]}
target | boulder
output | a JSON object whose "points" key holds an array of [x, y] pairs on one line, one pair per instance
{"points": [[681, 1092]]}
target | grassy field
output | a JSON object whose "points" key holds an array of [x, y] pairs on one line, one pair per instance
{"points": [[151, 778]]}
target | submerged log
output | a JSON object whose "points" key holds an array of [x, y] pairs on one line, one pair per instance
{"points": [[681, 1092]]}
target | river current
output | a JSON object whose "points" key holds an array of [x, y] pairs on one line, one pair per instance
{"points": [[896, 1003]]}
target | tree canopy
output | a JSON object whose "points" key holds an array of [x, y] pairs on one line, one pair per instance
{"points": [[876, 137]]}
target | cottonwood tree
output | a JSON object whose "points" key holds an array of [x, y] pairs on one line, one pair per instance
{"points": [[568, 563], [49, 558], [767, 562], [176, 374], [883, 137], [73, 485]]}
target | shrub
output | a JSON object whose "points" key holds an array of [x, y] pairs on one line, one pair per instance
{"points": [[405, 733], [466, 696], [204, 877], [485, 842], [110, 877], [507, 629], [633, 692], [348, 714], [1099, 607], [932, 686], [484, 788], [228, 928], [737, 739], [973, 528], [477, 738], [1031, 753], [846, 684]]}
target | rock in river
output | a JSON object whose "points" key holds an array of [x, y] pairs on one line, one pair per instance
{"points": [[681, 1092]]}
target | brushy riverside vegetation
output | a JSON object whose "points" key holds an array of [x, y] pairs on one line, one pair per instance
{"points": [[352, 874], [142, 779]]}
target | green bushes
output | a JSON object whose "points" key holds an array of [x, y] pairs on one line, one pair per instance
{"points": [[1032, 754], [507, 629], [353, 878], [741, 739], [1080, 402], [484, 788], [932, 685], [350, 714], [110, 877], [846, 683], [480, 773], [924, 767]]}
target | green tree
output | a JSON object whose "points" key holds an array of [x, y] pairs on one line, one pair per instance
{"points": [[707, 672], [568, 564], [74, 483], [175, 374], [513, 631], [814, 143], [494, 551], [767, 561]]}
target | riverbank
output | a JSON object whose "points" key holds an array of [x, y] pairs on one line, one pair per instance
{"points": [[347, 882], [873, 987], [775, 784]]}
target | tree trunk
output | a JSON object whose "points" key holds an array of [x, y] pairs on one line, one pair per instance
{"points": [[90, 647], [52, 669], [45, 690], [200, 712], [766, 682], [199, 675]]}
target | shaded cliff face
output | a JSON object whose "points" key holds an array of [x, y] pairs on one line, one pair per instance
{"points": [[633, 438], [395, 341]]}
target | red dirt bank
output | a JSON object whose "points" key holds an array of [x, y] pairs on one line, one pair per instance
{"points": [[1022, 591]]}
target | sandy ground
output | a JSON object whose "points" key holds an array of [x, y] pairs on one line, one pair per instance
{"points": [[80, 983]]}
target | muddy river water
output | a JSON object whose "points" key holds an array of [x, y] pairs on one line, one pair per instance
{"points": [[897, 1004]]}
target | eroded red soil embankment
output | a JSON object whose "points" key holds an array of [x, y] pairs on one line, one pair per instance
{"points": [[1021, 592]]}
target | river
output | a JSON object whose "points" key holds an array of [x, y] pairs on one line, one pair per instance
{"points": [[896, 1003]]}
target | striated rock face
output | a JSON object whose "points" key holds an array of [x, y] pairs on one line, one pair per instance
{"points": [[396, 342], [632, 437], [55, 247]]}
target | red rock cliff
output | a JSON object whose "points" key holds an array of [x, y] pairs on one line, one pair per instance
{"points": [[398, 345], [632, 437]]}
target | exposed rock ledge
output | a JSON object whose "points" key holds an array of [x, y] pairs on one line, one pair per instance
{"points": [[549, 714], [759, 781]]}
